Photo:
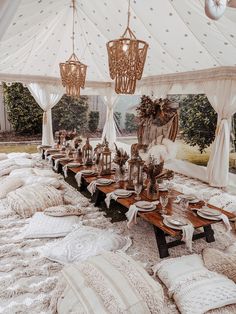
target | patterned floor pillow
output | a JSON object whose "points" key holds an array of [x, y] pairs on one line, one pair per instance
{"points": [[223, 262], [85, 242], [29, 199], [42, 226], [110, 283], [63, 210], [194, 288], [9, 184]]}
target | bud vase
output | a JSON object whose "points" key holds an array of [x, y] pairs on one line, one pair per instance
{"points": [[152, 190]]}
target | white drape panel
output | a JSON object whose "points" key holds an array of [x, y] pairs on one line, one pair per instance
{"points": [[155, 90], [222, 96], [109, 130], [47, 96]]}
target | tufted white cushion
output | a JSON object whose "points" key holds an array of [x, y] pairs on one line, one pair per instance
{"points": [[63, 210], [46, 173], [70, 198], [9, 184], [42, 226], [21, 173], [3, 156], [222, 262], [5, 171], [84, 242], [18, 155], [25, 162], [32, 198], [110, 283], [31, 179], [194, 288]]}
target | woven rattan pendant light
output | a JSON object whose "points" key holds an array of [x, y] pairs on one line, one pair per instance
{"points": [[73, 72], [126, 57]]}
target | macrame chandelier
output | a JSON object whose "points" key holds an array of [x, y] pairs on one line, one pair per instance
{"points": [[73, 72], [126, 57]]}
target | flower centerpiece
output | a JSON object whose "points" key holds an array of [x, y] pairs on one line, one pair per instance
{"points": [[120, 159], [153, 168]]}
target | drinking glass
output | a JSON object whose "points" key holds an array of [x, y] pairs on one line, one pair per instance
{"points": [[205, 197], [138, 189], [184, 203], [117, 177], [164, 201]]}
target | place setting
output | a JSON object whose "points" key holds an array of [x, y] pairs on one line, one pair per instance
{"points": [[118, 193], [99, 182], [85, 173], [139, 206]]}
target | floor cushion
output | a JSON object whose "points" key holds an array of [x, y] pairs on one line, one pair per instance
{"points": [[70, 198], [223, 262], [63, 210], [194, 288], [29, 199], [9, 184], [45, 173], [32, 179], [25, 162], [21, 172], [3, 156], [110, 283], [42, 226], [84, 242], [18, 155]]}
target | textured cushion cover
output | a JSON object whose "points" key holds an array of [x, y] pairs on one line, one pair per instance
{"points": [[18, 155], [5, 171], [21, 173], [194, 288], [32, 198], [63, 210], [43, 180], [110, 283], [70, 198], [3, 156], [45, 173], [220, 262], [42, 226], [25, 162], [9, 184], [84, 242]]}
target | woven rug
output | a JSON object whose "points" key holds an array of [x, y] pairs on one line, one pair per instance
{"points": [[28, 280]]}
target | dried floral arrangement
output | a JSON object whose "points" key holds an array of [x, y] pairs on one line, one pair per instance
{"points": [[120, 158], [97, 153], [160, 110]]}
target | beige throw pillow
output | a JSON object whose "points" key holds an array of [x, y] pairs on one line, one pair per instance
{"points": [[220, 262], [63, 210], [9, 184], [27, 200]]}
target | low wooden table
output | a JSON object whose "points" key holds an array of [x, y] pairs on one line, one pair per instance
{"points": [[154, 217]]}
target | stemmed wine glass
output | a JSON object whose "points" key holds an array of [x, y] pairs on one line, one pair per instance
{"points": [[164, 201], [117, 177], [205, 197], [138, 188]]}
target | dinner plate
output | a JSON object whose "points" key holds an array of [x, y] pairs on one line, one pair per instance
{"points": [[144, 204], [103, 181], [87, 171], [163, 189], [165, 222], [210, 211], [208, 217], [121, 192], [177, 221], [73, 165], [191, 198], [147, 209]]}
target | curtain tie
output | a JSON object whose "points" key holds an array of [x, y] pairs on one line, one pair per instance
{"points": [[45, 117], [218, 126]]}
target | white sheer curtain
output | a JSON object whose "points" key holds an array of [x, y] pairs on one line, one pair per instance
{"points": [[157, 90], [222, 96], [47, 96], [109, 130]]}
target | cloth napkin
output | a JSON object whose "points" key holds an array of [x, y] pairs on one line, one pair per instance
{"points": [[56, 165], [78, 178], [225, 220], [109, 197], [92, 187], [132, 215], [65, 169]]}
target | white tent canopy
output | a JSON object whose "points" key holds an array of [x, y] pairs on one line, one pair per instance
{"points": [[188, 52]]}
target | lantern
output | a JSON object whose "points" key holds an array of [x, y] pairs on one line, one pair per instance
{"points": [[135, 171], [106, 160], [87, 151]]}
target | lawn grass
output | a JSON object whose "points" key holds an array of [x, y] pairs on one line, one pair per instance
{"points": [[18, 148]]}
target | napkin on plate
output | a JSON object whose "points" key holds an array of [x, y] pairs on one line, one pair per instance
{"points": [[226, 222], [78, 178], [109, 197], [187, 234], [92, 187], [132, 215]]}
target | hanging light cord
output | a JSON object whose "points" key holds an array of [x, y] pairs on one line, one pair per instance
{"points": [[128, 14], [73, 27]]}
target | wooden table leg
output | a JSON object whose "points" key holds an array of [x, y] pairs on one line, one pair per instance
{"points": [[98, 197], [209, 234], [161, 242]]}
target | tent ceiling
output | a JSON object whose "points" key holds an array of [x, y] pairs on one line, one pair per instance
{"points": [[181, 38]]}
